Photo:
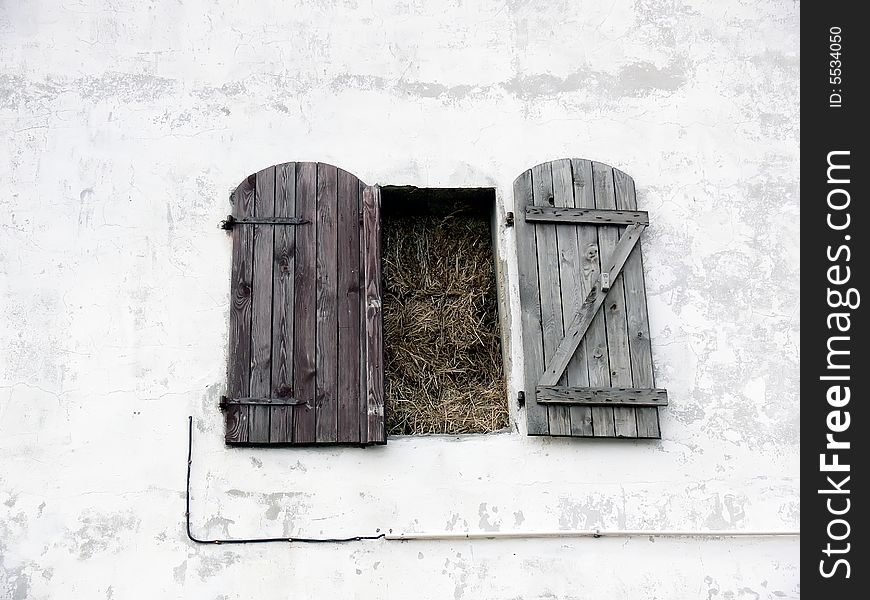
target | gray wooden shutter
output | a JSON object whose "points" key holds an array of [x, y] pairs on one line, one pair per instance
{"points": [[587, 354], [305, 356]]}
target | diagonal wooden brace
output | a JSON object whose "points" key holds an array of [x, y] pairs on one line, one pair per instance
{"points": [[583, 319]]}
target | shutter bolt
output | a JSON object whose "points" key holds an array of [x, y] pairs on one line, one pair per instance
{"points": [[521, 399], [509, 219]]}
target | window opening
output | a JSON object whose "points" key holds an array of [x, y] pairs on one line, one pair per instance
{"points": [[442, 344]]}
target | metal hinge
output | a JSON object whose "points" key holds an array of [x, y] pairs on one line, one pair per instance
{"points": [[509, 219], [521, 399], [231, 221]]}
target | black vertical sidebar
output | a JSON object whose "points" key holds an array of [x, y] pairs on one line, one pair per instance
{"points": [[834, 226]]}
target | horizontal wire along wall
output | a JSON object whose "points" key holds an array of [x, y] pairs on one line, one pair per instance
{"points": [[469, 535]]}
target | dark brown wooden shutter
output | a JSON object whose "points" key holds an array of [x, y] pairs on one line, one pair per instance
{"points": [[305, 355], [587, 354]]}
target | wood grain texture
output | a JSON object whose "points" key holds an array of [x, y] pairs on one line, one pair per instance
{"points": [[647, 419], [595, 338], [362, 412], [261, 307], [632, 397], [570, 284], [547, 251], [326, 345], [284, 253], [239, 354], [577, 329], [547, 246], [530, 307], [625, 424], [376, 430], [305, 318], [348, 293], [559, 214]]}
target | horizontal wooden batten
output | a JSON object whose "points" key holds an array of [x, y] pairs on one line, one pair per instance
{"points": [[558, 214], [602, 396]]}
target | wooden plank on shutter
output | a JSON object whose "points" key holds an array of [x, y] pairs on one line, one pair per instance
{"points": [[305, 301], [283, 280], [577, 420], [261, 307], [376, 424], [547, 249], [647, 419], [348, 290], [624, 421], [363, 418], [530, 309], [238, 369], [595, 339], [327, 314]]}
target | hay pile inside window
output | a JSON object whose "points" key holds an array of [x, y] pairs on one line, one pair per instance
{"points": [[442, 347]]}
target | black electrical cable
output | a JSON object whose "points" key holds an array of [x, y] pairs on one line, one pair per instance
{"points": [[190, 535]]}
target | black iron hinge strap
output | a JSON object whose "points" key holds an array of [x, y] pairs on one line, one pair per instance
{"points": [[261, 402], [231, 221]]}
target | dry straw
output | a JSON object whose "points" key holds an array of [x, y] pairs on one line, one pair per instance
{"points": [[443, 353]]}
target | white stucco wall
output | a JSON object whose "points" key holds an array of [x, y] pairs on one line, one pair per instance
{"points": [[124, 126]]}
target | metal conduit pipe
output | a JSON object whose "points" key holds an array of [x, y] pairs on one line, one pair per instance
{"points": [[593, 533]]}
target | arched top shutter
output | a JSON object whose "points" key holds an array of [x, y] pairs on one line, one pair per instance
{"points": [[305, 350], [587, 354]]}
